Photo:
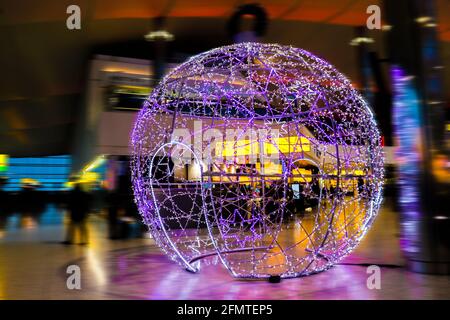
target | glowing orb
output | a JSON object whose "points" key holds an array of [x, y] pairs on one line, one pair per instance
{"points": [[260, 155]]}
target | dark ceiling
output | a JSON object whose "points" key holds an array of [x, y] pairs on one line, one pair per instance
{"points": [[44, 65]]}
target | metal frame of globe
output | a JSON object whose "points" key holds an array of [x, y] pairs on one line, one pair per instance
{"points": [[259, 156]]}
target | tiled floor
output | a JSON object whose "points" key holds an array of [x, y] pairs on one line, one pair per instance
{"points": [[33, 266]]}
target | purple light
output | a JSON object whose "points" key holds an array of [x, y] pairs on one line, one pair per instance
{"points": [[407, 129], [261, 154]]}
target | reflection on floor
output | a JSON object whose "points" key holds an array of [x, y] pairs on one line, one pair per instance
{"points": [[33, 266]]}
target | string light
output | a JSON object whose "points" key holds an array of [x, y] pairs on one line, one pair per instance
{"points": [[262, 156]]}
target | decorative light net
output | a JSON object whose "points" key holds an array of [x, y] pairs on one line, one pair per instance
{"points": [[261, 155]]}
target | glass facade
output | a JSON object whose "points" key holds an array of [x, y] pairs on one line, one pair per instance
{"points": [[51, 173]]}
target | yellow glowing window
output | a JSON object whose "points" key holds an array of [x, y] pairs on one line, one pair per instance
{"points": [[301, 175], [288, 145], [356, 172], [240, 148], [247, 147], [272, 168]]}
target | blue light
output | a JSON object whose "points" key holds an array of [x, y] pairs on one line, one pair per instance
{"points": [[51, 172]]}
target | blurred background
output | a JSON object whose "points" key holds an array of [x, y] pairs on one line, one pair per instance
{"points": [[68, 99]]}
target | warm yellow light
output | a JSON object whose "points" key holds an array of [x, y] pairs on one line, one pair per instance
{"points": [[133, 71], [4, 159], [272, 168], [85, 178], [301, 175], [239, 148], [98, 161], [133, 89], [159, 35], [90, 177], [29, 181], [247, 147], [423, 19], [287, 145]]}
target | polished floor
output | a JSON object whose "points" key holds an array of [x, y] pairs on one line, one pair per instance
{"points": [[33, 265]]}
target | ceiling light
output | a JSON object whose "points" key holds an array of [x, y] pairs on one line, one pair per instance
{"points": [[159, 35], [430, 25], [356, 41], [423, 19]]}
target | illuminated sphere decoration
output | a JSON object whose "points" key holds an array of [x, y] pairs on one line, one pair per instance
{"points": [[262, 157]]}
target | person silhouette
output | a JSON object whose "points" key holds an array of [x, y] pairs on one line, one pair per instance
{"points": [[78, 206]]}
